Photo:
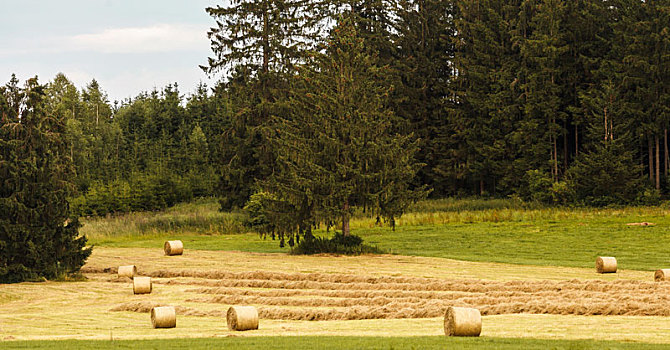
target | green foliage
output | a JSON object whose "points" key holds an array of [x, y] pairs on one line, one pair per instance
{"points": [[258, 214], [142, 192], [338, 244], [541, 188], [38, 239], [606, 175], [423, 62], [338, 149], [649, 197]]}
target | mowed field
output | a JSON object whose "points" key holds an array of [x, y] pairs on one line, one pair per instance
{"points": [[372, 301]]}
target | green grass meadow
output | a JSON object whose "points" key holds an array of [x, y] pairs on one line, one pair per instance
{"points": [[344, 343], [472, 230]]}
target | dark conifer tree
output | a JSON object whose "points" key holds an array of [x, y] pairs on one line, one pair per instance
{"points": [[255, 43], [338, 149], [423, 60], [38, 239]]}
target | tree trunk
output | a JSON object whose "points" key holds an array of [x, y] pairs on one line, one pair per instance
{"points": [[576, 140], [651, 159], [665, 147], [345, 219], [266, 40], [481, 187], [551, 151], [555, 154], [565, 149], [658, 164]]}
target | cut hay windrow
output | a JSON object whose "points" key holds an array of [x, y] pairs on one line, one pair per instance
{"points": [[89, 269], [638, 305], [262, 279], [280, 276], [557, 303], [368, 294], [471, 286], [300, 299], [311, 302]]}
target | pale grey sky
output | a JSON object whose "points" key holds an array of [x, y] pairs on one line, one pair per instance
{"points": [[129, 46]]}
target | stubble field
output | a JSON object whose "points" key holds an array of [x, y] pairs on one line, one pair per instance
{"points": [[380, 300]]}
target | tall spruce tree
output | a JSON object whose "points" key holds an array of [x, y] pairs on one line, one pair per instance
{"points": [[486, 94], [338, 149], [423, 60], [38, 239], [255, 43]]}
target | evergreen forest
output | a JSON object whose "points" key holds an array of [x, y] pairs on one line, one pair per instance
{"points": [[322, 106]]}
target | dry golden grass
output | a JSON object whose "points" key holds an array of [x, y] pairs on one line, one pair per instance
{"points": [[81, 310], [148, 260]]}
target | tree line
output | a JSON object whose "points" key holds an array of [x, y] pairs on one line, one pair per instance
{"points": [[563, 102], [326, 106]]}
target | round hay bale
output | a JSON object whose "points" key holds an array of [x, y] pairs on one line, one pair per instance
{"points": [[662, 275], [462, 322], [173, 248], [163, 317], [127, 271], [142, 285], [242, 318], [606, 264]]}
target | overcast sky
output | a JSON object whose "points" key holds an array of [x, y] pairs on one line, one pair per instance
{"points": [[128, 46]]}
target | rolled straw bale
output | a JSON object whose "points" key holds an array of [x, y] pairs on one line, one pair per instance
{"points": [[173, 248], [127, 271], [462, 322], [606, 264], [163, 317], [662, 275], [242, 318], [142, 285]]}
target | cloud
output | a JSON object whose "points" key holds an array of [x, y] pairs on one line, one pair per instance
{"points": [[157, 38]]}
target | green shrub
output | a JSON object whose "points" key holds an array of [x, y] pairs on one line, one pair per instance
{"points": [[650, 196], [338, 244], [257, 214], [607, 175]]}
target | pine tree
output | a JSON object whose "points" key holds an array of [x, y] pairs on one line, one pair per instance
{"points": [[37, 237], [544, 52], [423, 60], [257, 42], [338, 149], [486, 94]]}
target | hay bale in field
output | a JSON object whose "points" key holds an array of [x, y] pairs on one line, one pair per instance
{"points": [[173, 248], [142, 285], [163, 317], [662, 275], [242, 318], [606, 264], [462, 322], [127, 271]]}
